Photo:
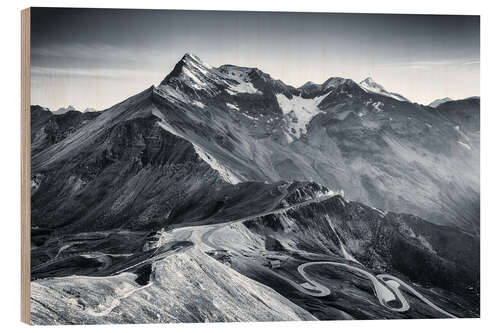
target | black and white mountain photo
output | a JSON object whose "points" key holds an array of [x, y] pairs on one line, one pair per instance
{"points": [[205, 166]]}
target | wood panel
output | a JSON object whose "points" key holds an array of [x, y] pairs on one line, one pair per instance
{"points": [[25, 166]]}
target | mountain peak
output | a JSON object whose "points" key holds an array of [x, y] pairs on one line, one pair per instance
{"points": [[308, 84], [369, 85], [191, 58], [439, 101], [334, 82], [189, 55], [63, 110], [190, 69]]}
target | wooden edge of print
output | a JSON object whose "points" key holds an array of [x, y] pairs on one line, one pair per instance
{"points": [[25, 166]]}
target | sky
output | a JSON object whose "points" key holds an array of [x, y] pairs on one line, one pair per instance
{"points": [[95, 58]]}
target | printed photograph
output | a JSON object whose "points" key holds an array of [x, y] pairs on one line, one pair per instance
{"points": [[224, 166]]}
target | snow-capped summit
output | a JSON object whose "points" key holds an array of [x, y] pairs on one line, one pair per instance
{"points": [[439, 101], [369, 85], [192, 60], [198, 79]]}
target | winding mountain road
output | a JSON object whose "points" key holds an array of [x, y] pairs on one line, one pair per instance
{"points": [[396, 283], [387, 287], [383, 293]]}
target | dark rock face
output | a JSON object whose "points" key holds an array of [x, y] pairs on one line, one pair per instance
{"points": [[464, 113], [102, 176], [133, 159], [48, 128], [374, 147], [423, 252]]}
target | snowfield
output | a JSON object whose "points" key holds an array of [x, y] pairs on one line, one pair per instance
{"points": [[198, 84], [369, 85], [242, 86], [299, 112]]}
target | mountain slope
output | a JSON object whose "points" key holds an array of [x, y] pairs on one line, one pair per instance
{"points": [[387, 153], [378, 149], [173, 295], [304, 228], [63, 110], [229, 181], [47, 128]]}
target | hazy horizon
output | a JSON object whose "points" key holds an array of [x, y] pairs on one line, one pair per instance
{"points": [[98, 57]]}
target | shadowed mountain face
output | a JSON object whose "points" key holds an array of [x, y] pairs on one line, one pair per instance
{"points": [[231, 169], [47, 128]]}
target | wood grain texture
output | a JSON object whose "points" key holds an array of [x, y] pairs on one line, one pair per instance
{"points": [[25, 166]]}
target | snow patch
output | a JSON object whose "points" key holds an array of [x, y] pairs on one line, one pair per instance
{"points": [[198, 62], [198, 104], [369, 85], [201, 68], [243, 85], [345, 253], [224, 172], [426, 243], [380, 212], [457, 128], [299, 112], [245, 88], [164, 124], [232, 106], [377, 106], [249, 117], [464, 145], [198, 84]]}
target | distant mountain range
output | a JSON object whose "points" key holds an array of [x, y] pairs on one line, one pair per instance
{"points": [[63, 110], [337, 171]]}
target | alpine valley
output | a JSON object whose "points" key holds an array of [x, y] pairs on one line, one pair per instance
{"points": [[223, 194]]}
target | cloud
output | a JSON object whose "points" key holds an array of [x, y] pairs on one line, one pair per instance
{"points": [[428, 64], [471, 63], [79, 55], [105, 73]]}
